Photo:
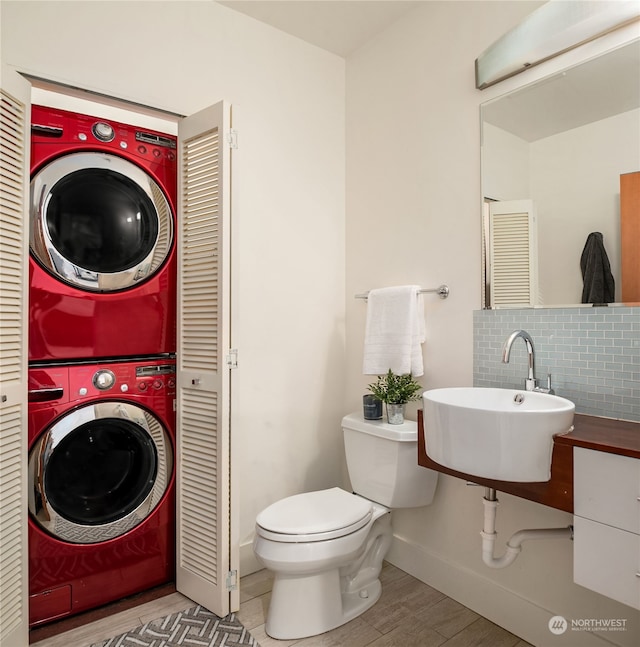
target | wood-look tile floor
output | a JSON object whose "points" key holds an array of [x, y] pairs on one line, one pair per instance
{"points": [[408, 614]]}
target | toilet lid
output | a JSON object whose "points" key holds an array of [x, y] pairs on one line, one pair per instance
{"points": [[320, 515]]}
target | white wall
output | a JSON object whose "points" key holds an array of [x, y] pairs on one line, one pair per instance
{"points": [[288, 203], [575, 185], [413, 216], [505, 165]]}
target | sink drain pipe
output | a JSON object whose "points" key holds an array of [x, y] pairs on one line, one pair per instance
{"points": [[514, 545]]}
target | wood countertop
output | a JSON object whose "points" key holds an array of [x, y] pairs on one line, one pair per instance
{"points": [[601, 434], [604, 435]]}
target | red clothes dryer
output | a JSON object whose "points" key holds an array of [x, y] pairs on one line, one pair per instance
{"points": [[101, 487], [102, 272]]}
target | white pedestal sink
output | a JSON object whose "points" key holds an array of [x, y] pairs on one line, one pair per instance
{"points": [[501, 434]]}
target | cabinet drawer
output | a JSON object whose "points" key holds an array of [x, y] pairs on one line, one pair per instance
{"points": [[606, 488], [607, 560]]}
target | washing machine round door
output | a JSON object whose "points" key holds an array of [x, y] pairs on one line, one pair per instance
{"points": [[98, 472], [99, 222]]}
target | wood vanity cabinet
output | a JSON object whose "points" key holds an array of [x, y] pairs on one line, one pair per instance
{"points": [[606, 553]]}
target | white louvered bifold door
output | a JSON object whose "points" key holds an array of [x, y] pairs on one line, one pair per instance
{"points": [[203, 458], [513, 275], [14, 182]]}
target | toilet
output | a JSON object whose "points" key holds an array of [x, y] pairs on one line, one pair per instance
{"points": [[326, 548]]}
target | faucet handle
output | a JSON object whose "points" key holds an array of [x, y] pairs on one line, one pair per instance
{"points": [[549, 389], [543, 389]]}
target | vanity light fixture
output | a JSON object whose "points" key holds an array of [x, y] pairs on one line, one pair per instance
{"points": [[552, 29]]}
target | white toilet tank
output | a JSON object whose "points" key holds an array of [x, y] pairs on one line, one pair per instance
{"points": [[383, 462]]}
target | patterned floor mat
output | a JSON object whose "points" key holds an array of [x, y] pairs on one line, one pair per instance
{"points": [[195, 627]]}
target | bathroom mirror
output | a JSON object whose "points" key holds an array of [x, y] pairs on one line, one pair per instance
{"points": [[558, 146]]}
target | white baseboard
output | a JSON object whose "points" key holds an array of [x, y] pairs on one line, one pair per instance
{"points": [[248, 561], [502, 606]]}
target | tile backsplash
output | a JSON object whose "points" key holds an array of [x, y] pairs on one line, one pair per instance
{"points": [[593, 355]]}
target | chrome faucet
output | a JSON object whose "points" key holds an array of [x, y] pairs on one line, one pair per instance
{"points": [[530, 383]]}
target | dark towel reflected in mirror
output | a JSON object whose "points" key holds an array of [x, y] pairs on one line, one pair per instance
{"points": [[599, 284]]}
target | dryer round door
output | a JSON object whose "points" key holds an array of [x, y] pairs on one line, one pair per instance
{"points": [[98, 472], [99, 222]]}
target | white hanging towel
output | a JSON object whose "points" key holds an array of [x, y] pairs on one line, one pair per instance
{"points": [[394, 331]]}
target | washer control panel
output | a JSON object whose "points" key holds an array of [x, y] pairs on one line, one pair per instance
{"points": [[149, 383], [126, 378]]}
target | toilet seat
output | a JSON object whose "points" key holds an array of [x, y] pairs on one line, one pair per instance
{"points": [[314, 516]]}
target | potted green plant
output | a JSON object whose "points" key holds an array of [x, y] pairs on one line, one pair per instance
{"points": [[395, 391]]}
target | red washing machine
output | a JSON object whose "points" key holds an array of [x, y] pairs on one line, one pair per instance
{"points": [[102, 272], [101, 487]]}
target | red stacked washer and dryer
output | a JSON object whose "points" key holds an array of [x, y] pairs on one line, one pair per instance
{"points": [[102, 342]]}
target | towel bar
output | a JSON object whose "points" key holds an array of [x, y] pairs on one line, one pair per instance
{"points": [[442, 290]]}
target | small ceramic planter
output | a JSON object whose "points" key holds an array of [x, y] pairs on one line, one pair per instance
{"points": [[395, 414]]}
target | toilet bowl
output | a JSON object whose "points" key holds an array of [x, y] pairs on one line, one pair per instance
{"points": [[326, 547], [313, 589]]}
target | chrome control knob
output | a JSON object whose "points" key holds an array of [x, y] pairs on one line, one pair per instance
{"points": [[104, 379], [103, 132]]}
